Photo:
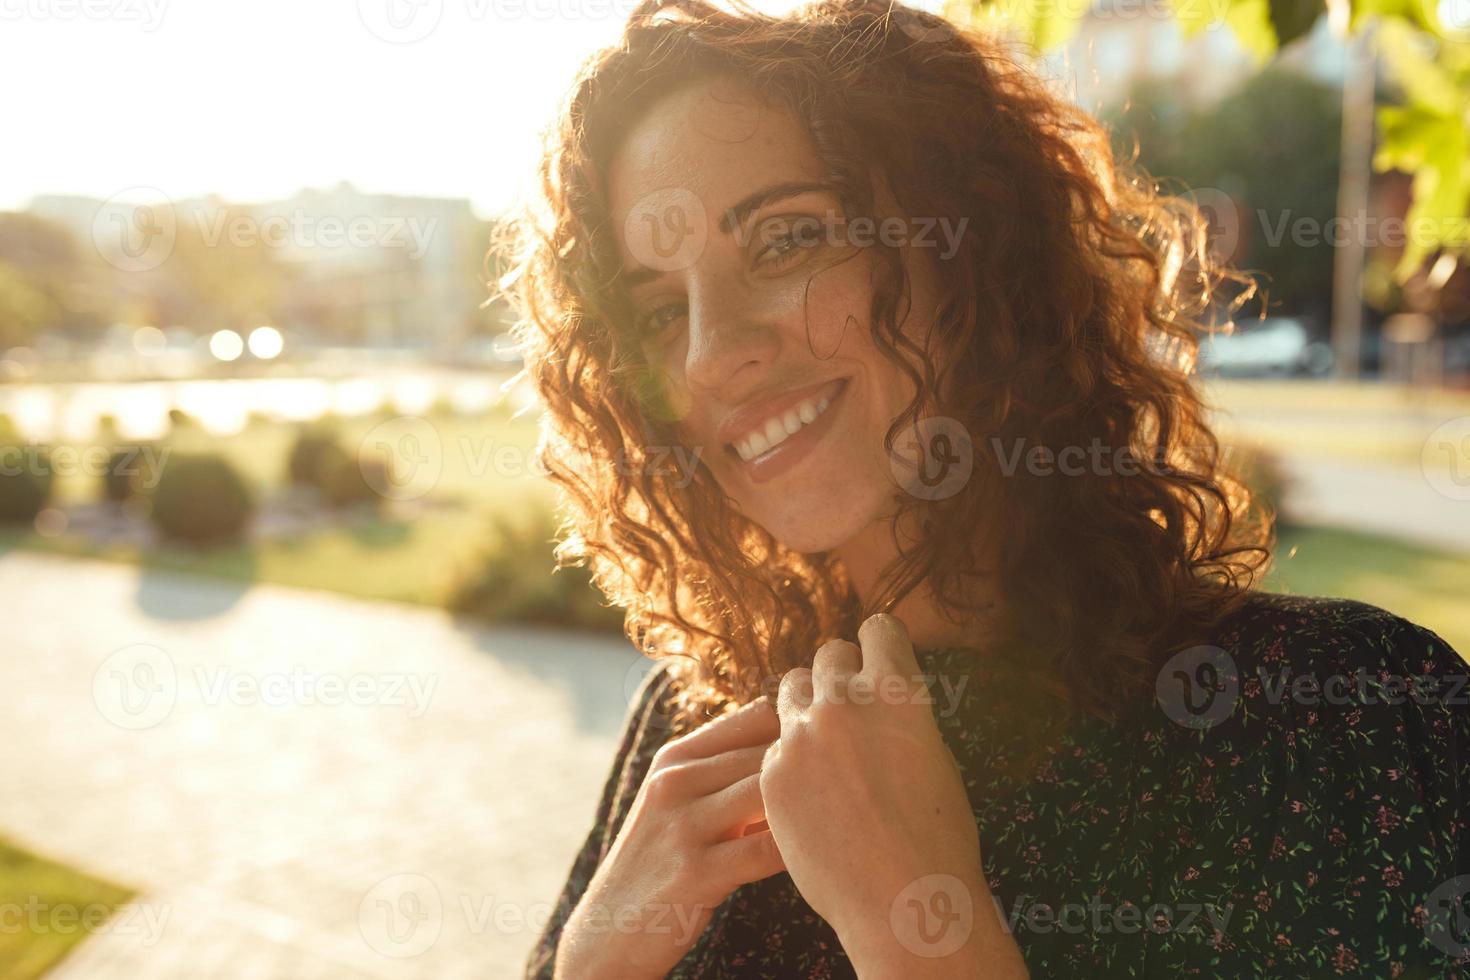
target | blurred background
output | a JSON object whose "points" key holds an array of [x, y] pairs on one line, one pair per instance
{"points": [[292, 689]]}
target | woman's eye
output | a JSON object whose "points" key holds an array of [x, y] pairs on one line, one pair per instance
{"points": [[780, 247], [659, 319], [783, 245]]}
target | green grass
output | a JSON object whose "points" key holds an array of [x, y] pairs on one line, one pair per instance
{"points": [[484, 457], [1424, 585], [44, 905], [485, 473], [424, 558]]}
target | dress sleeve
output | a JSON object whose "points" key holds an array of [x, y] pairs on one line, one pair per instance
{"points": [[648, 726], [1329, 814]]}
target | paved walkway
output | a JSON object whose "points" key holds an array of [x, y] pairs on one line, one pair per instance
{"points": [[1392, 500], [298, 784]]}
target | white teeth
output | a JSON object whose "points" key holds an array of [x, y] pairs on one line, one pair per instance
{"points": [[778, 429]]}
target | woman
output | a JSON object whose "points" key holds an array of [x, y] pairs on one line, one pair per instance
{"points": [[962, 670]]}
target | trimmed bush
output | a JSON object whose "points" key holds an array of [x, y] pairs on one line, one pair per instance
{"points": [[308, 454], [131, 470], [318, 459], [344, 479], [515, 579], [1261, 471], [201, 499], [25, 482]]}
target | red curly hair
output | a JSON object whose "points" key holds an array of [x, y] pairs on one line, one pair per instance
{"points": [[1069, 317]]}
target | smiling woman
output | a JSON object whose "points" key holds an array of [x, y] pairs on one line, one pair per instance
{"points": [[862, 266]]}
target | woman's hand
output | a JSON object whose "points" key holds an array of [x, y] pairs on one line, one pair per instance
{"points": [[871, 816], [688, 842]]}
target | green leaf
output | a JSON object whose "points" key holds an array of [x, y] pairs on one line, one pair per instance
{"points": [[1406, 135], [1363, 10], [1436, 219], [1409, 55], [1251, 22], [1044, 24]]}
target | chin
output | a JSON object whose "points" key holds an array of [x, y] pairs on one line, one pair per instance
{"points": [[811, 523]]}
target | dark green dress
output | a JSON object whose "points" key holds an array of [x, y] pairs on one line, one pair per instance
{"points": [[1293, 803]]}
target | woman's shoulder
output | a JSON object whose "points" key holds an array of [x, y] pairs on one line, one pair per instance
{"points": [[1282, 660], [1311, 622], [1315, 766]]}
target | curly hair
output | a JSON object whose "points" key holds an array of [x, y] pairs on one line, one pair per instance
{"points": [[1070, 316]]}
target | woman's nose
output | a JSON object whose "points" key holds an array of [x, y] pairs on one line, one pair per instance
{"points": [[730, 342]]}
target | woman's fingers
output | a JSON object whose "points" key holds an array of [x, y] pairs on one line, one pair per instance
{"points": [[887, 650], [751, 724], [702, 777], [746, 859], [730, 810], [833, 667], [795, 694]]}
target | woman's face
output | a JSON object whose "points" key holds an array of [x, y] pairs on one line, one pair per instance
{"points": [[754, 301]]}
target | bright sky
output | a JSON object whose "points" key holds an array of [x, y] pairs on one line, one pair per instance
{"points": [[256, 99]]}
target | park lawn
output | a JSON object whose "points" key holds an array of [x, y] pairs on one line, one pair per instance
{"points": [[486, 471], [481, 455], [486, 475], [53, 895], [415, 561], [1425, 585], [419, 561]]}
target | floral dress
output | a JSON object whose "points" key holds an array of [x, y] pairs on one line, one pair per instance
{"points": [[1292, 803]]}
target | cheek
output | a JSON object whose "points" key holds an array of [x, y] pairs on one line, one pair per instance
{"points": [[836, 307]]}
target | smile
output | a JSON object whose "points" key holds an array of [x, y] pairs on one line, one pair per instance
{"points": [[778, 428]]}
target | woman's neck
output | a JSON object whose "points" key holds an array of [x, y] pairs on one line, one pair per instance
{"points": [[871, 554]]}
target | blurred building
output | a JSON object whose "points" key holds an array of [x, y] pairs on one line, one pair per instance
{"points": [[374, 269], [409, 275]]}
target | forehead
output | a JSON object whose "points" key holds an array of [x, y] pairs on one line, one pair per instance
{"points": [[714, 138]]}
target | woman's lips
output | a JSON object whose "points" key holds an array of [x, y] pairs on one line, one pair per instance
{"points": [[782, 457]]}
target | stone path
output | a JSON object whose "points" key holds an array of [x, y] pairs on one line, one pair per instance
{"points": [[1397, 501], [298, 784]]}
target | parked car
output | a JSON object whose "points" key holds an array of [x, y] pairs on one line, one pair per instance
{"points": [[1274, 347]]}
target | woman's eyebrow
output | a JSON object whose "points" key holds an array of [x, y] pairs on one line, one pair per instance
{"points": [[766, 195], [748, 204]]}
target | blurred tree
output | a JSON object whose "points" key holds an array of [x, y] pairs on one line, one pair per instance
{"points": [[1273, 147], [221, 273], [1427, 133], [48, 282], [25, 310]]}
